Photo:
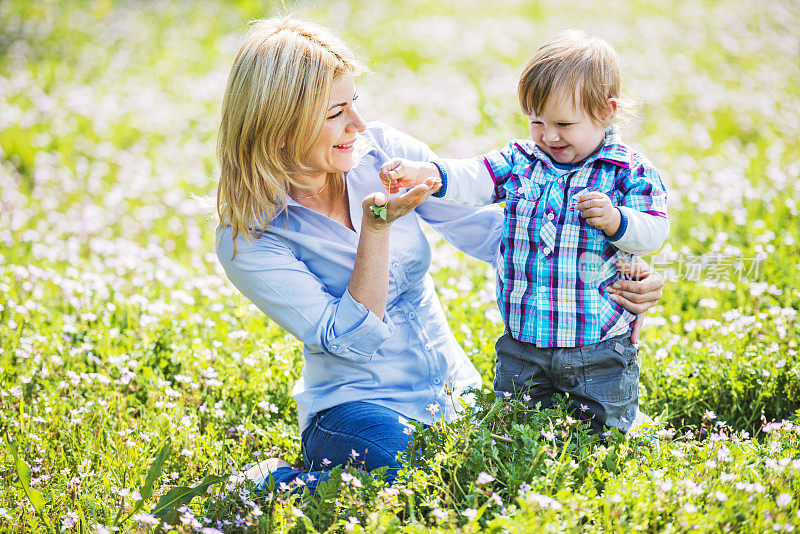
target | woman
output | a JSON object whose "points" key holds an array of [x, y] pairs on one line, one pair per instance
{"points": [[299, 174]]}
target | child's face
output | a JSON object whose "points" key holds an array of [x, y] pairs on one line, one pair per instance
{"points": [[566, 133]]}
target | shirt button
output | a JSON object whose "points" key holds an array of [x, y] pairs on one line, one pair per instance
{"points": [[334, 348], [520, 190], [550, 216], [437, 381], [542, 289], [411, 315], [546, 251], [395, 264], [428, 346]]}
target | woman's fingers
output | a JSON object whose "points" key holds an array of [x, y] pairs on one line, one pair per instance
{"points": [[636, 328]]}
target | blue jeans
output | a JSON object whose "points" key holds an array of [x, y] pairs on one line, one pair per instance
{"points": [[372, 431]]}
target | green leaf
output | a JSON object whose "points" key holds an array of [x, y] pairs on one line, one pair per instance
{"points": [[379, 212], [155, 471], [184, 494], [24, 472], [36, 499]]}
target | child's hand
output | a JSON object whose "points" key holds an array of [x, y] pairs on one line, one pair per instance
{"points": [[400, 173], [599, 211]]}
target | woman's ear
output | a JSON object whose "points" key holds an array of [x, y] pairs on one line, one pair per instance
{"points": [[281, 144]]}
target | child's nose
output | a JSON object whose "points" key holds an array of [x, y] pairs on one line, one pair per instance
{"points": [[551, 134]]}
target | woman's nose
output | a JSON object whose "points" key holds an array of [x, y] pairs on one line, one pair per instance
{"points": [[356, 123]]}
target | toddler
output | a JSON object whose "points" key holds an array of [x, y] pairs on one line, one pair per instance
{"points": [[576, 200]]}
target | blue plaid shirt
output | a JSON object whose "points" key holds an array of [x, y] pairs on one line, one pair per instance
{"points": [[555, 268]]}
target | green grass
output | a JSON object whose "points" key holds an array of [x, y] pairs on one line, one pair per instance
{"points": [[119, 334]]}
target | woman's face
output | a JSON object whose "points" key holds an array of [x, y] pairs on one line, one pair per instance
{"points": [[333, 151]]}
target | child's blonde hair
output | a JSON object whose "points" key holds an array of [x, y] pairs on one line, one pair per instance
{"points": [[573, 64], [272, 114]]}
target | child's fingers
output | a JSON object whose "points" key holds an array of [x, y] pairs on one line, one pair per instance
{"points": [[590, 195], [592, 203], [593, 213]]}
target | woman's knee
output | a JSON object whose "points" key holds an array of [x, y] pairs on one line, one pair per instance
{"points": [[362, 434]]}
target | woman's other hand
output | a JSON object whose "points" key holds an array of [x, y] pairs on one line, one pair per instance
{"points": [[639, 294], [399, 173], [397, 206]]}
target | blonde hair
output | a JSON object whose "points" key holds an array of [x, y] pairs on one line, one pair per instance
{"points": [[574, 64], [273, 111]]}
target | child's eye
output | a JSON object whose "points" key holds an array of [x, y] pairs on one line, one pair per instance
{"points": [[536, 123], [564, 124]]}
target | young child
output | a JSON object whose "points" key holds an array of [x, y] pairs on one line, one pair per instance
{"points": [[576, 200]]}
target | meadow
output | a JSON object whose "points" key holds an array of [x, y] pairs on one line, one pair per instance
{"points": [[134, 379]]}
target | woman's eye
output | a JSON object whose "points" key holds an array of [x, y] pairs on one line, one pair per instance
{"points": [[564, 124], [336, 114]]}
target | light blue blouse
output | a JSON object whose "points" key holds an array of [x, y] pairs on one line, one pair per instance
{"points": [[298, 271]]}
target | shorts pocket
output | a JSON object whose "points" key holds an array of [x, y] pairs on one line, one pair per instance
{"points": [[508, 366], [612, 370]]}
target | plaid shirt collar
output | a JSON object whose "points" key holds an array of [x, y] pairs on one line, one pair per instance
{"points": [[612, 151]]}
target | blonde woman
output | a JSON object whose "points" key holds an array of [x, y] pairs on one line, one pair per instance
{"points": [[299, 174]]}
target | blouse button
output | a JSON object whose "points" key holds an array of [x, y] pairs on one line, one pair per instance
{"points": [[550, 216], [428, 346], [411, 315]]}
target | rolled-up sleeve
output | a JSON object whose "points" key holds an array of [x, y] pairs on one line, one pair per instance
{"points": [[269, 274]]}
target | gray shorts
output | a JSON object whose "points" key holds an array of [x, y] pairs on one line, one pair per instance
{"points": [[602, 379]]}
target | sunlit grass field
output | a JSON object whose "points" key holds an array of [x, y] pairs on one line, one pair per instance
{"points": [[130, 368]]}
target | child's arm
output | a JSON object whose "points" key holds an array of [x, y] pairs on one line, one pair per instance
{"points": [[638, 223], [464, 181]]}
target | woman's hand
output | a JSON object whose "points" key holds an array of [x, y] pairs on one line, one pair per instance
{"points": [[398, 173], [637, 295], [396, 206]]}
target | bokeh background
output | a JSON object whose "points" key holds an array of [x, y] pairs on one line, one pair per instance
{"points": [[118, 328]]}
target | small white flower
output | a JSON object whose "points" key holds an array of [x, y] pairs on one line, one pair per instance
{"points": [[690, 508], [484, 478], [70, 520], [722, 497], [470, 513], [439, 514], [783, 499]]}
